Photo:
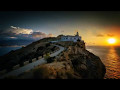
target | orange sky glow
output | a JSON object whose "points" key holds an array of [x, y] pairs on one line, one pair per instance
{"points": [[97, 36]]}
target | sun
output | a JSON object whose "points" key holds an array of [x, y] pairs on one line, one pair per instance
{"points": [[111, 40]]}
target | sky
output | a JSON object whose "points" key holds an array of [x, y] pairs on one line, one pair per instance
{"points": [[95, 27]]}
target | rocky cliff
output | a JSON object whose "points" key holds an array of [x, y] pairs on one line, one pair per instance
{"points": [[73, 63]]}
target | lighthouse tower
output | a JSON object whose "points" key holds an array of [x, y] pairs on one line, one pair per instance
{"points": [[77, 34]]}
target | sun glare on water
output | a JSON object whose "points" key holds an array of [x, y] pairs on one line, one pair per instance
{"points": [[112, 41]]}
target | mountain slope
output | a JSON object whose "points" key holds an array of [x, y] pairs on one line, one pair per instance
{"points": [[73, 63]]}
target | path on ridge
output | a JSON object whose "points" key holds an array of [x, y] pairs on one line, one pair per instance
{"points": [[31, 65]]}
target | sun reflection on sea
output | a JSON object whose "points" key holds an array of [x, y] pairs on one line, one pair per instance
{"points": [[112, 63]]}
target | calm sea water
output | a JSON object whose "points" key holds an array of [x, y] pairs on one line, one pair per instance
{"points": [[4, 50], [110, 56]]}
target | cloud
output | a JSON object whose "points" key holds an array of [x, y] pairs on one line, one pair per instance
{"points": [[50, 35], [14, 27], [18, 30], [113, 31], [100, 35], [110, 35], [22, 33], [38, 35], [15, 31], [12, 37], [103, 35]]}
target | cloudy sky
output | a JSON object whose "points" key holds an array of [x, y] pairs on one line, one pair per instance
{"points": [[95, 27]]}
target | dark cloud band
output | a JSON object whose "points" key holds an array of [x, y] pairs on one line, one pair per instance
{"points": [[22, 33]]}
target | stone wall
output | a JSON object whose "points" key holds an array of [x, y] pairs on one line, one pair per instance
{"points": [[39, 57], [26, 62], [33, 60], [16, 66]]}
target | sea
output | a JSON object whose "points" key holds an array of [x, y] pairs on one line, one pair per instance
{"points": [[110, 56], [4, 50]]}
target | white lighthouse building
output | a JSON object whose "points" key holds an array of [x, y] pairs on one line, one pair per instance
{"points": [[71, 38]]}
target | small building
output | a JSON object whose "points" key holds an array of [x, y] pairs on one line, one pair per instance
{"points": [[71, 38]]}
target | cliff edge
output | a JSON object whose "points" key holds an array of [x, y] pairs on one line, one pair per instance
{"points": [[75, 62]]}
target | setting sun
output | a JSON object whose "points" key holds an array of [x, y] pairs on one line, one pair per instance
{"points": [[111, 41]]}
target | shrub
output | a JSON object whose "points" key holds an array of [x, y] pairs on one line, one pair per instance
{"points": [[21, 63], [50, 59], [48, 44], [30, 61], [47, 56], [41, 73], [11, 77], [23, 46]]}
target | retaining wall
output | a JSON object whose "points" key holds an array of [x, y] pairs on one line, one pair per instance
{"points": [[39, 57], [16, 66], [33, 60], [26, 62]]}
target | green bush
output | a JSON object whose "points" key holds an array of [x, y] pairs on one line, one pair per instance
{"points": [[47, 56], [48, 44], [30, 61], [50, 59]]}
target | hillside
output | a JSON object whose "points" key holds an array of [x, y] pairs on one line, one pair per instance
{"points": [[33, 50], [75, 62]]}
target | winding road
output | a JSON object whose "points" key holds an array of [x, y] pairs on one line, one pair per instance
{"points": [[31, 65]]}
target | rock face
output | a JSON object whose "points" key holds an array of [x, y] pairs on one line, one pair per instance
{"points": [[75, 63]]}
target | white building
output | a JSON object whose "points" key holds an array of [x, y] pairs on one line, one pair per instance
{"points": [[71, 38]]}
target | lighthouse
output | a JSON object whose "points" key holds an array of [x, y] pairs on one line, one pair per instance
{"points": [[77, 34], [71, 38]]}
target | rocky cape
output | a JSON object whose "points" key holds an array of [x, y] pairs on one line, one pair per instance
{"points": [[75, 62]]}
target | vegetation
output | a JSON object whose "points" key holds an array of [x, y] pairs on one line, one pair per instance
{"points": [[11, 77], [47, 56], [48, 44], [30, 61], [21, 63], [33, 50], [51, 59], [41, 73], [23, 46]]}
